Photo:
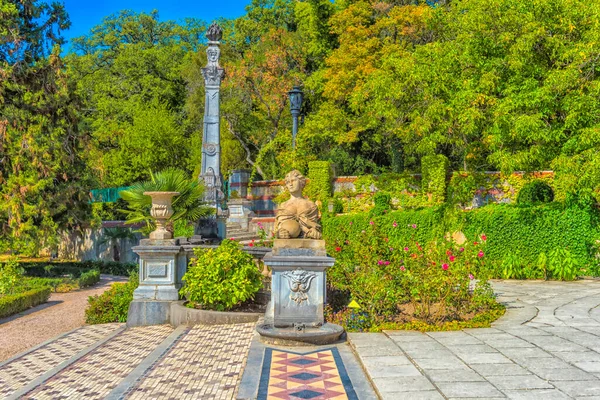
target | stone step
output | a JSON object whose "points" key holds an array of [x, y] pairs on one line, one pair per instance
{"points": [[242, 235]]}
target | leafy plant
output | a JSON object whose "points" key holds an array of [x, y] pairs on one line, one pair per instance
{"points": [[221, 278], [10, 274], [563, 265], [187, 206], [382, 202]]}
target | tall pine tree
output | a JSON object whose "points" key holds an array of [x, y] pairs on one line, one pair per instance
{"points": [[42, 176]]}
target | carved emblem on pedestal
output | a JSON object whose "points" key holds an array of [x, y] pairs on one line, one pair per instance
{"points": [[299, 281]]}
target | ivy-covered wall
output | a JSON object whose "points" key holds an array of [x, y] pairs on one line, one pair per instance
{"points": [[511, 230]]}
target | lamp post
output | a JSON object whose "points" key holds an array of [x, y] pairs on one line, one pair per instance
{"points": [[295, 106]]}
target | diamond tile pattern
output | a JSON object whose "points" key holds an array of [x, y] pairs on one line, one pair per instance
{"points": [[318, 375], [306, 394]]}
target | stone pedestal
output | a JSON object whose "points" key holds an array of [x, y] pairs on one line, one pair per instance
{"points": [[298, 294], [161, 267], [240, 213]]}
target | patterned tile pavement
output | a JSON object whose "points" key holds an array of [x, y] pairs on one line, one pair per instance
{"points": [[206, 363], [24, 369], [316, 375], [96, 374]]}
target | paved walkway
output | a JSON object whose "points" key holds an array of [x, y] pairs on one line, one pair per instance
{"points": [[63, 312], [547, 346]]}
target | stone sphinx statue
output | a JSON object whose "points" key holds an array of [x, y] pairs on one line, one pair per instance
{"points": [[298, 217]]}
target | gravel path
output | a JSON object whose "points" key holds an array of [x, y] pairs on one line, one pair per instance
{"points": [[62, 313]]}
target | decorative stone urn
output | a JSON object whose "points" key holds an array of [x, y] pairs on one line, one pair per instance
{"points": [[161, 211]]}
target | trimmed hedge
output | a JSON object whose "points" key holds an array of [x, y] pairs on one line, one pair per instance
{"points": [[511, 229], [89, 278], [16, 303], [53, 269]]}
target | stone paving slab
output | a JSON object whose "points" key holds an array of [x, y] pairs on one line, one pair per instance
{"points": [[547, 346]]}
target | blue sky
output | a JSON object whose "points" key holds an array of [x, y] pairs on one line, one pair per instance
{"points": [[85, 15]]}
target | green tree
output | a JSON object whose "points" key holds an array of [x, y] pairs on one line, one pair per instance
{"points": [[43, 177], [129, 72]]}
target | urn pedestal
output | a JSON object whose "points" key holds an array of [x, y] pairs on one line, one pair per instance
{"points": [[161, 266], [298, 294]]}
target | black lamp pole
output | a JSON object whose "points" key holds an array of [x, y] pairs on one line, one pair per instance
{"points": [[295, 106]]}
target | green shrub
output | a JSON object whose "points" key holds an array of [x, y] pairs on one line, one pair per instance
{"points": [[535, 192], [15, 303], [563, 265], [28, 283], [112, 305], [89, 278], [221, 278], [531, 230], [380, 275], [462, 188]]}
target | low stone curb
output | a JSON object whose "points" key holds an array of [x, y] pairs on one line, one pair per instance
{"points": [[181, 315]]}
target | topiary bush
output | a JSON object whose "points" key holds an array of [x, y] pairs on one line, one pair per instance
{"points": [[433, 176], [320, 177], [222, 278], [112, 305], [535, 192], [382, 202]]}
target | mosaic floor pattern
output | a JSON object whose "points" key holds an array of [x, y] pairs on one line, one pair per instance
{"points": [[315, 375]]}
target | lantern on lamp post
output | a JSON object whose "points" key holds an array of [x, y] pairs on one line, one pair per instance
{"points": [[295, 106]]}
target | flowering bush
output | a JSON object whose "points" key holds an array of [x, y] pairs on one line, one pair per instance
{"points": [[430, 282]]}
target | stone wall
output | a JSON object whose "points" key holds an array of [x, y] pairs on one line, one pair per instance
{"points": [[87, 246]]}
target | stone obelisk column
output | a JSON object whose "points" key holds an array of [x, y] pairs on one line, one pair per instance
{"points": [[210, 171]]}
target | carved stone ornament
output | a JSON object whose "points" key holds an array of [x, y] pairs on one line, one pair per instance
{"points": [[298, 217], [299, 281], [213, 75], [214, 32], [210, 149]]}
